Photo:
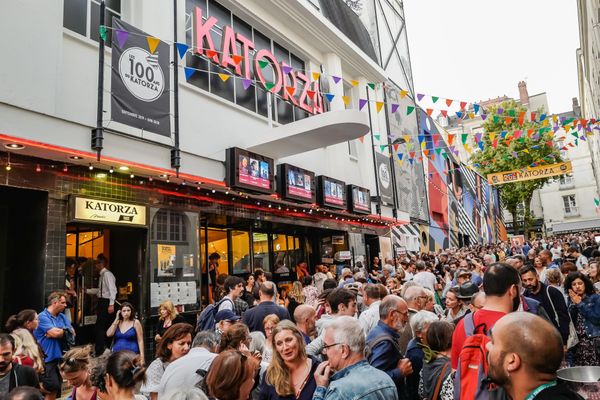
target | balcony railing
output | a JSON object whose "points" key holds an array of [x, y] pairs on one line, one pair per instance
{"points": [[572, 212]]}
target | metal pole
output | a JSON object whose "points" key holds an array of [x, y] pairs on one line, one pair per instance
{"points": [[391, 161], [175, 152], [98, 132], [378, 205]]}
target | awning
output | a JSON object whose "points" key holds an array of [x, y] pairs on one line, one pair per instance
{"points": [[576, 226], [313, 133], [407, 237]]}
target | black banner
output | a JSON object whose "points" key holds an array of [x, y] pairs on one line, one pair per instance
{"points": [[140, 80], [385, 179]]}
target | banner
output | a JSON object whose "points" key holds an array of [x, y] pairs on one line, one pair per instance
{"points": [[384, 174], [140, 80], [518, 175]]}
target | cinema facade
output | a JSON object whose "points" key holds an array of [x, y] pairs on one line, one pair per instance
{"points": [[277, 163]]}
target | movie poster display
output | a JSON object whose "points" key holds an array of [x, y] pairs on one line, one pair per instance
{"points": [[331, 192], [359, 199], [246, 170], [296, 183]]}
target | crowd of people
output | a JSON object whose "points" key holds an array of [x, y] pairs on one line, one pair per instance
{"points": [[483, 322]]}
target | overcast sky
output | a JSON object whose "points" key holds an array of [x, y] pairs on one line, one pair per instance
{"points": [[473, 50]]}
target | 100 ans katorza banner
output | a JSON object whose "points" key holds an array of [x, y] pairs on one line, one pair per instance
{"points": [[519, 175]]}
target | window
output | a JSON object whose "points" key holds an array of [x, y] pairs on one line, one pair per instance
{"points": [[83, 17], [260, 248], [240, 252], [566, 182], [570, 205], [169, 226], [254, 98], [352, 149]]}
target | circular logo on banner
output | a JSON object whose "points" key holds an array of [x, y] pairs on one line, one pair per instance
{"points": [[384, 175], [141, 73]]}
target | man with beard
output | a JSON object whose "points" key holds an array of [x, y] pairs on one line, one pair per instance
{"points": [[524, 354], [501, 284], [550, 298], [12, 374], [383, 351]]}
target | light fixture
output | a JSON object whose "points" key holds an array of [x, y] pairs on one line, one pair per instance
{"points": [[168, 179], [8, 167], [184, 183], [227, 192], [91, 167], [162, 176], [111, 170], [65, 168], [101, 175], [213, 190], [75, 158], [123, 168], [149, 179], [14, 146], [38, 168], [132, 176]]}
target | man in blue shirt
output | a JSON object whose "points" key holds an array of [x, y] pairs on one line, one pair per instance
{"points": [[346, 374], [383, 351], [50, 334]]}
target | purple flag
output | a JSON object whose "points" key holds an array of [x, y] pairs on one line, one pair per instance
{"points": [[484, 116], [336, 79], [122, 37], [420, 96], [500, 111], [395, 107], [514, 154], [286, 69], [246, 83], [361, 103]]}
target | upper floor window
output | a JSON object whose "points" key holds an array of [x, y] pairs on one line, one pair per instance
{"points": [[566, 181], [83, 17], [570, 205], [169, 226]]}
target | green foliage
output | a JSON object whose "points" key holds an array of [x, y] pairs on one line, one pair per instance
{"points": [[501, 158]]}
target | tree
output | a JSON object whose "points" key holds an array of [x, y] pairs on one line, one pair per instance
{"points": [[498, 155]]}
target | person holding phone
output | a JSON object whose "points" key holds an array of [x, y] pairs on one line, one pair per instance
{"points": [[127, 331]]}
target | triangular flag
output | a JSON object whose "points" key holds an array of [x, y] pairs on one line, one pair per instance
{"points": [[379, 105], [182, 48], [496, 119], [420, 96], [444, 112], [346, 100], [409, 110], [395, 146], [382, 147], [311, 94], [329, 97], [361, 103], [269, 85], [403, 93], [463, 104], [362, 139], [400, 156], [261, 63], [495, 143], [102, 32], [472, 115], [237, 59], [429, 111], [533, 116], [377, 137], [450, 139], [448, 102], [189, 72], [464, 137], [483, 117], [371, 85], [224, 77], [476, 108], [395, 107], [596, 201], [492, 135], [507, 120], [354, 82], [434, 99], [286, 69], [459, 114], [246, 83], [213, 54], [511, 112], [291, 90], [316, 76], [122, 37], [336, 79]]}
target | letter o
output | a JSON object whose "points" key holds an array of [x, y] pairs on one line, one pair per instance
{"points": [[274, 64]]}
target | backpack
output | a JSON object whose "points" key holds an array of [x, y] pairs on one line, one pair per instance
{"points": [[383, 338], [470, 380], [206, 320]]}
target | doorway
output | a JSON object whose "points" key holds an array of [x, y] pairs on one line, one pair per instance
{"points": [[125, 250]]}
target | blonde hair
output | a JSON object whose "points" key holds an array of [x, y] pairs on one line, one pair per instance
{"points": [[271, 318], [77, 359], [296, 292], [168, 305], [278, 373], [26, 345]]}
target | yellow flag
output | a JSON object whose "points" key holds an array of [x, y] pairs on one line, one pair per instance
{"points": [[551, 134], [545, 122], [526, 151], [492, 136], [554, 118], [471, 115], [346, 100], [316, 76], [567, 128], [152, 43], [403, 93], [423, 144], [354, 83], [379, 105], [224, 77], [406, 138], [400, 162]]}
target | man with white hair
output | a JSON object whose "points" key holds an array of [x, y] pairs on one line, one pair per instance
{"points": [[346, 374], [416, 298]]}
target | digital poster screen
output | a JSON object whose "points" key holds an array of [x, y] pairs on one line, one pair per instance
{"points": [[331, 192], [249, 171], [359, 199], [295, 183]]}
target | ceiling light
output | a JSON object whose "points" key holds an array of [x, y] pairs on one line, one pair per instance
{"points": [[123, 168], [76, 158], [38, 168], [162, 176], [101, 175], [91, 167], [14, 146], [111, 170], [132, 176]]}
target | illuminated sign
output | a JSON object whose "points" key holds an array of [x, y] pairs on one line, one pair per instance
{"points": [[359, 199], [250, 171], [331, 192], [109, 212], [296, 183]]}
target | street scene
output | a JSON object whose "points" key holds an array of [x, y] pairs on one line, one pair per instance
{"points": [[300, 200]]}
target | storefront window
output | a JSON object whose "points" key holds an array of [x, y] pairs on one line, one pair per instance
{"points": [[260, 248], [240, 252], [217, 244]]}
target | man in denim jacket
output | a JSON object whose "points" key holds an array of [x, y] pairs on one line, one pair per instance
{"points": [[346, 374]]}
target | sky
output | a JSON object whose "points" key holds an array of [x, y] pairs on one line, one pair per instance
{"points": [[473, 50]]}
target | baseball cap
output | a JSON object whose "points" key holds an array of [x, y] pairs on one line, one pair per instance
{"points": [[226, 315]]}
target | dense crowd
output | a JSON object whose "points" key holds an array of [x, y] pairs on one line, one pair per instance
{"points": [[484, 322]]}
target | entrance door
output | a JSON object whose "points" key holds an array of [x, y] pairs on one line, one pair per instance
{"points": [[124, 248]]}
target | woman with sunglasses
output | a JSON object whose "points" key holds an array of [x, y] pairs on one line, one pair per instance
{"points": [[76, 370], [291, 372], [231, 376]]}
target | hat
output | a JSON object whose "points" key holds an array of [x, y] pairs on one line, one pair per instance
{"points": [[226, 315], [467, 290], [354, 286], [462, 272]]}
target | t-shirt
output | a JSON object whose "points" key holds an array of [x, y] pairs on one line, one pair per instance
{"points": [[50, 346], [558, 392], [483, 316], [425, 279], [4, 383]]}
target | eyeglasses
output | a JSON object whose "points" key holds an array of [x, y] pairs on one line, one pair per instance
{"points": [[324, 349]]}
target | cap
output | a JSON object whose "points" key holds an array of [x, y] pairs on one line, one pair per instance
{"points": [[354, 286], [226, 315], [467, 290]]}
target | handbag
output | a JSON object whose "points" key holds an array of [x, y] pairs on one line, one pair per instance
{"points": [[573, 340]]}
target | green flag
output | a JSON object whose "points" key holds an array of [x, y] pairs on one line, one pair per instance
{"points": [[434, 98], [464, 137], [382, 147], [511, 112], [269, 85], [409, 110], [263, 64], [371, 85], [102, 31], [377, 137], [496, 119]]}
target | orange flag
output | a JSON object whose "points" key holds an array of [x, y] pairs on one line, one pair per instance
{"points": [[152, 43], [403, 93], [237, 59], [379, 105]]}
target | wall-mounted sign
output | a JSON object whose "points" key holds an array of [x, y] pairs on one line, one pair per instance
{"points": [[337, 239], [359, 199], [249, 171], [109, 212], [140, 81], [295, 183], [384, 175], [331, 192], [527, 174]]}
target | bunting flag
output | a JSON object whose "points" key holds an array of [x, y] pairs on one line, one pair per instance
{"points": [[492, 136], [225, 77], [377, 137], [102, 32], [182, 48], [521, 118], [533, 116], [395, 146], [336, 79], [316, 76], [361, 103], [429, 111], [382, 147], [346, 100], [311, 94], [463, 104], [329, 97], [483, 117], [403, 93], [444, 113], [409, 110], [269, 86], [464, 137], [476, 108], [400, 156], [290, 90], [379, 105], [448, 102], [213, 54], [434, 99], [286, 69], [495, 144], [246, 83], [406, 139], [261, 63], [121, 37], [459, 114], [354, 82], [371, 85], [237, 59], [450, 139], [189, 72], [395, 107]]}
